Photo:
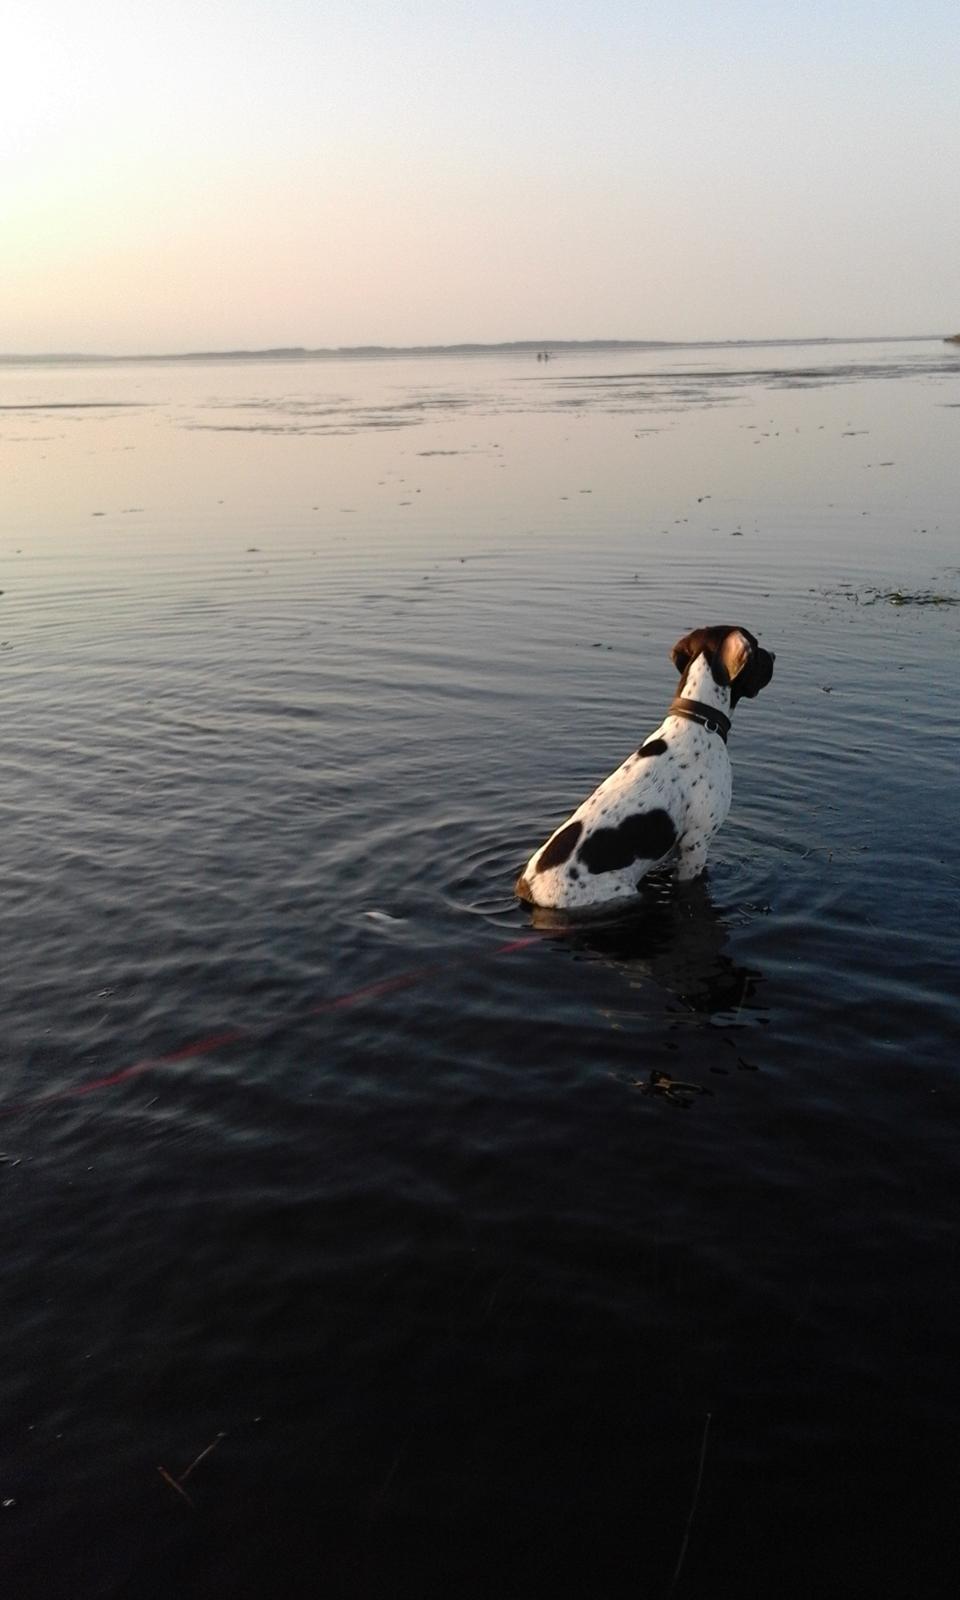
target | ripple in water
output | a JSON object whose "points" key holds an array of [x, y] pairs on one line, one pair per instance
{"points": [[446, 1225]]}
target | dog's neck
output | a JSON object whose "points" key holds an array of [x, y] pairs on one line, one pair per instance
{"points": [[699, 684]]}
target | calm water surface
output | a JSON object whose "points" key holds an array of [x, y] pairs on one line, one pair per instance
{"points": [[622, 1261]]}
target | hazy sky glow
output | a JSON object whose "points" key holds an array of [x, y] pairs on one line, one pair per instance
{"points": [[261, 172]]}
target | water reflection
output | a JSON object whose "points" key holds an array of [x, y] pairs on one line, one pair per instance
{"points": [[674, 942], [676, 936]]}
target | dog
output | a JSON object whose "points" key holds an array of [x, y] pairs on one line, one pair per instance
{"points": [[669, 797]]}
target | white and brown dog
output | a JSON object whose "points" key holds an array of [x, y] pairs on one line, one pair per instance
{"points": [[670, 796]]}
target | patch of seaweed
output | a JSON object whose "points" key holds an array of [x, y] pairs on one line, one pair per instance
{"points": [[891, 597], [896, 597]]}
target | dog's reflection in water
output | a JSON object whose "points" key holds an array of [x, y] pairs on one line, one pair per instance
{"points": [[675, 941]]}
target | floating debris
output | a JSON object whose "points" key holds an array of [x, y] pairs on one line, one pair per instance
{"points": [[669, 1088], [924, 597], [177, 1483], [890, 597]]}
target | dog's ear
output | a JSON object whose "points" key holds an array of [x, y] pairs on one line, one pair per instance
{"points": [[702, 642], [755, 675], [687, 649], [736, 652]]}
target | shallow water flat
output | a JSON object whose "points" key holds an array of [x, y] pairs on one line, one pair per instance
{"points": [[475, 1244]]}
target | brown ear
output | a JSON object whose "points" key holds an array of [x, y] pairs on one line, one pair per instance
{"points": [[736, 652], [686, 649]]}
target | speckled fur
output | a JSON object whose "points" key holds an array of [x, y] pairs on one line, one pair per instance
{"points": [[688, 783]]}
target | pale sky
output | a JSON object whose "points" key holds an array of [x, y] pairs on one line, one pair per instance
{"points": [[184, 174]]}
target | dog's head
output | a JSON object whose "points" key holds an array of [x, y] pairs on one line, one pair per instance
{"points": [[735, 659]]}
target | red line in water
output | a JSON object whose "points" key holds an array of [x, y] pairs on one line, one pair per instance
{"points": [[516, 944], [90, 1086], [218, 1041], [201, 1047], [371, 991]]}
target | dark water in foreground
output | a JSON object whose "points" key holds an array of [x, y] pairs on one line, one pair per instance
{"points": [[620, 1263]]}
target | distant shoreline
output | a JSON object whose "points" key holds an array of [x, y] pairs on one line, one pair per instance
{"points": [[298, 353]]}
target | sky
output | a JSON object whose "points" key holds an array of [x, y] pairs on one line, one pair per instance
{"points": [[213, 174]]}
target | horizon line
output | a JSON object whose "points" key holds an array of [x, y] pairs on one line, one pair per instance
{"points": [[465, 347]]}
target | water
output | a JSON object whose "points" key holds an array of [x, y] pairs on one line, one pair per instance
{"points": [[532, 1270]]}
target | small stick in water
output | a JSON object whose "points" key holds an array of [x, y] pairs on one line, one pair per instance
{"points": [[175, 1485], [178, 1483], [203, 1453], [693, 1508]]}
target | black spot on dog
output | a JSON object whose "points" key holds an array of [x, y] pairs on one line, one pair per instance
{"points": [[653, 747], [574, 874], [646, 836], [560, 848]]}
